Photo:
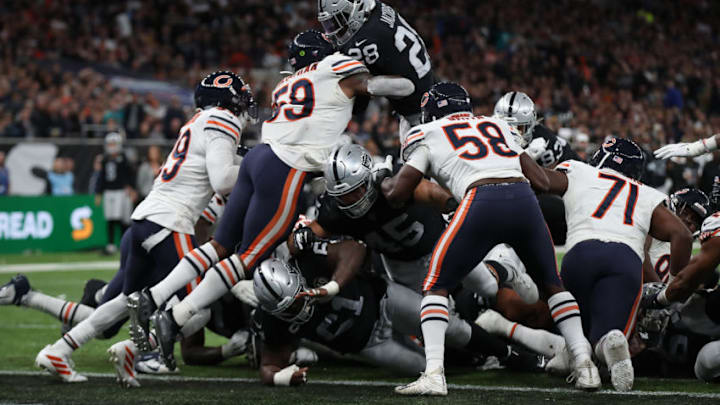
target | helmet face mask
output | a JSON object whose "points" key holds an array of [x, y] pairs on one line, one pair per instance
{"points": [[342, 19], [348, 179], [691, 205]]}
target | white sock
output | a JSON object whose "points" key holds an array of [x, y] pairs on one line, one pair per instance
{"points": [[67, 312], [481, 281], [434, 318], [102, 318], [196, 322], [566, 315], [210, 289], [190, 266], [539, 341], [99, 294]]}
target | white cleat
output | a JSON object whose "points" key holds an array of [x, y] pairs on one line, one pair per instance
{"points": [[58, 365], [122, 356], [585, 376], [560, 363], [432, 383], [150, 363], [523, 285], [617, 356]]}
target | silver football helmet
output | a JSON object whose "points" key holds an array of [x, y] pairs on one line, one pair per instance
{"points": [[518, 110], [276, 285], [348, 178], [113, 143], [341, 19]]}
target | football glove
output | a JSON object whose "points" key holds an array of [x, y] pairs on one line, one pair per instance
{"points": [[536, 148], [684, 149], [321, 294], [304, 237], [382, 170]]}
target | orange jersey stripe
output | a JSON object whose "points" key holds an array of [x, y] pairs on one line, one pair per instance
{"points": [[631, 321], [413, 137], [566, 309], [434, 311], [220, 124], [341, 67]]}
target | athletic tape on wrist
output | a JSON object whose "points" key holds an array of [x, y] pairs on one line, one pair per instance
{"points": [[283, 377]]}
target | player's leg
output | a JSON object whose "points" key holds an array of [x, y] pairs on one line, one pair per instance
{"points": [[537, 340], [271, 213], [402, 306], [460, 248], [226, 237], [613, 320], [533, 244]]}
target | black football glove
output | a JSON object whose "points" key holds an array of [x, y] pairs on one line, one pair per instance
{"points": [[304, 238]]}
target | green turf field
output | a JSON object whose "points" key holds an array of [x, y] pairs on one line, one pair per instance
{"points": [[23, 332]]}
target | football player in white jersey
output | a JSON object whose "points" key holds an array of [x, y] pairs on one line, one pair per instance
{"points": [[311, 109], [609, 215], [692, 206], [202, 162], [479, 160]]}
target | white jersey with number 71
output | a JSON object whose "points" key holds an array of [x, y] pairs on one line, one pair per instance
{"points": [[605, 205]]}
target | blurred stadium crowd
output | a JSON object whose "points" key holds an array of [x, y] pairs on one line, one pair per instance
{"points": [[638, 69]]}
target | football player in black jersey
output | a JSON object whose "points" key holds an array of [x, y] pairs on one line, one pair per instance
{"points": [[403, 236], [373, 32], [544, 146], [358, 316]]}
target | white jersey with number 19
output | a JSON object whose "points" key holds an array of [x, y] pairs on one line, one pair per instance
{"points": [[604, 204], [461, 149], [310, 112]]}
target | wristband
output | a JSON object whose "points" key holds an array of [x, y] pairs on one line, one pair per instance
{"points": [[283, 377], [332, 287], [710, 144]]}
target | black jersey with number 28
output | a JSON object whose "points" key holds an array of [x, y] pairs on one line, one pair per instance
{"points": [[388, 45]]}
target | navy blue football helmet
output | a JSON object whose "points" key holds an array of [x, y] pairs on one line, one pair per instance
{"points": [[693, 199], [443, 99], [308, 47], [621, 155], [227, 90]]}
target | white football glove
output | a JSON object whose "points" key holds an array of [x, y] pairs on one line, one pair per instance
{"points": [[382, 169], [684, 149], [321, 294], [536, 148], [245, 292]]}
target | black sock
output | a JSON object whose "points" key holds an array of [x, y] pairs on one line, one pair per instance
{"points": [[111, 231], [498, 269], [482, 342]]}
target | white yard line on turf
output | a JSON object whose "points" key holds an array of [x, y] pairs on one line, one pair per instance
{"points": [[467, 387], [70, 266]]}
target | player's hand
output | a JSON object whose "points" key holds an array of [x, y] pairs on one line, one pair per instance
{"points": [[682, 149], [299, 377], [304, 237], [382, 170], [245, 292], [536, 148], [321, 294]]}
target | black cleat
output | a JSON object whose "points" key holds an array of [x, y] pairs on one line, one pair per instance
{"points": [[92, 286], [166, 332], [12, 292], [140, 308], [521, 360]]}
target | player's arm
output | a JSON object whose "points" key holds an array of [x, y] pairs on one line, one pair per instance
{"points": [[666, 226], [276, 369], [691, 149], [195, 353], [434, 195], [697, 271], [346, 258], [401, 187], [219, 161], [365, 84], [536, 174], [305, 235], [649, 274]]}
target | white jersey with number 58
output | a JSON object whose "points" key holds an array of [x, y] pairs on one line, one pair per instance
{"points": [[310, 112], [604, 204], [461, 149]]}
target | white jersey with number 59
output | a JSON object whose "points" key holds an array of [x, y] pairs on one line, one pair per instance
{"points": [[310, 112], [461, 149], [604, 204]]}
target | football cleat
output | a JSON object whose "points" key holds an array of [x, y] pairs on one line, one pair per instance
{"points": [[58, 365], [585, 376], [254, 349], [616, 352], [304, 357], [150, 363], [518, 279], [140, 308], [560, 363], [432, 383], [122, 356], [521, 360], [15, 290], [166, 332]]}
